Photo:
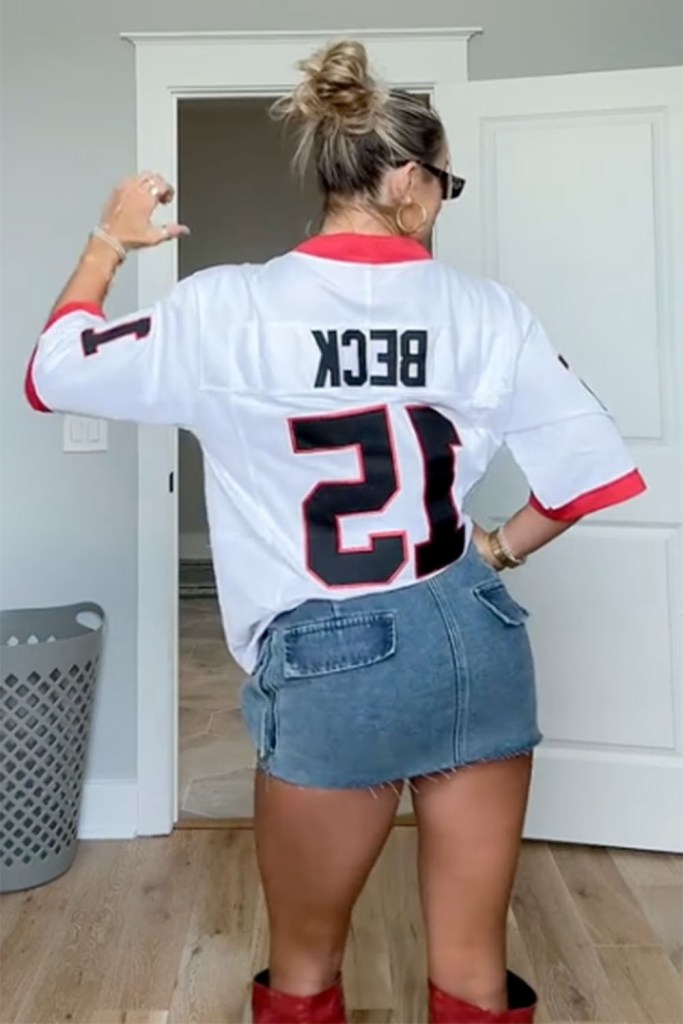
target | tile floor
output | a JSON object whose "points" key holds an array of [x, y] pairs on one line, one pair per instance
{"points": [[216, 757]]}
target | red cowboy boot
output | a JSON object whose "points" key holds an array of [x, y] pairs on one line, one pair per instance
{"points": [[272, 1007], [445, 1009]]}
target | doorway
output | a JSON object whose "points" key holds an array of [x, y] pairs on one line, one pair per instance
{"points": [[612, 718], [243, 205], [171, 69]]}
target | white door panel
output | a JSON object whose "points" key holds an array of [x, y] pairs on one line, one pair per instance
{"points": [[623, 697], [573, 200]]}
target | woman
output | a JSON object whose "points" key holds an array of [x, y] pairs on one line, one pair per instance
{"points": [[347, 396]]}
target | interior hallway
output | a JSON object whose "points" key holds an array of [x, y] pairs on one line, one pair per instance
{"points": [[216, 763]]}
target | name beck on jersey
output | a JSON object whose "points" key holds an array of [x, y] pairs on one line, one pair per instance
{"points": [[376, 357]]}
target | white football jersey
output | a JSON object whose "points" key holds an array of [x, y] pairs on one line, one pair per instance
{"points": [[347, 397]]}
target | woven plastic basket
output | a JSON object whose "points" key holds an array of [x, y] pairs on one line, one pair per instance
{"points": [[49, 660]]}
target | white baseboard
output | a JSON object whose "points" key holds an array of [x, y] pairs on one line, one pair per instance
{"points": [[109, 809], [195, 546]]}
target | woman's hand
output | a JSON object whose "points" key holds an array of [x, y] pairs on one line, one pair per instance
{"points": [[126, 217], [125, 225]]}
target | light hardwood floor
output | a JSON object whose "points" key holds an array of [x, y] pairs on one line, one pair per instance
{"points": [[169, 931]]}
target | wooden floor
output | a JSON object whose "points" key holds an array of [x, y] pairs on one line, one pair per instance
{"points": [[156, 931]]}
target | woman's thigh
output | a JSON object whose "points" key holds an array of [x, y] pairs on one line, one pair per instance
{"points": [[316, 849]]}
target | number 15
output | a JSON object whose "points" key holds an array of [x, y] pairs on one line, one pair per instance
{"points": [[369, 431]]}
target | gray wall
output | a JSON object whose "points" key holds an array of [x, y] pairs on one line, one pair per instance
{"points": [[243, 205], [68, 132]]}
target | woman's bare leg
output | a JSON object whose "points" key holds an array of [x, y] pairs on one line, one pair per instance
{"points": [[470, 826], [315, 849]]}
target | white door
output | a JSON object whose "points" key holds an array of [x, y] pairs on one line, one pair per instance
{"points": [[573, 199]]}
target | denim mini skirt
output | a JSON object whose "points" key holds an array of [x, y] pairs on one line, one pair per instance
{"points": [[395, 685]]}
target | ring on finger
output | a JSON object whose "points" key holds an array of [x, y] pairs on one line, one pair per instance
{"points": [[155, 190]]}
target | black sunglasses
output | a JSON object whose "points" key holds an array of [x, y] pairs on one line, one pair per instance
{"points": [[451, 185]]}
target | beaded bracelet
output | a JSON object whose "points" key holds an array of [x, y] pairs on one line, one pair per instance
{"points": [[109, 240]]}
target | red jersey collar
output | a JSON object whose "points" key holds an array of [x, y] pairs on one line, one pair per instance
{"points": [[353, 248]]}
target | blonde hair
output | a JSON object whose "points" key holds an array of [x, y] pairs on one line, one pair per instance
{"points": [[352, 126]]}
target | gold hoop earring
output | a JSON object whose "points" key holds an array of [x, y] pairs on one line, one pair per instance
{"points": [[400, 215]]}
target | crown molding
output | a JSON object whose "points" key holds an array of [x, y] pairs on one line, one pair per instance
{"points": [[303, 36]]}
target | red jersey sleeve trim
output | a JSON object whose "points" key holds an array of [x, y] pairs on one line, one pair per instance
{"points": [[32, 396], [614, 493], [74, 307], [30, 390]]}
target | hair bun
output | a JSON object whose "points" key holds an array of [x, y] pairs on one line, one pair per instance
{"points": [[338, 90]]}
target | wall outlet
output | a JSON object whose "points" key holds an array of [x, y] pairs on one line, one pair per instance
{"points": [[83, 434]]}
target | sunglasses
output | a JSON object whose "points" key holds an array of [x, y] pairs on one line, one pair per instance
{"points": [[451, 185]]}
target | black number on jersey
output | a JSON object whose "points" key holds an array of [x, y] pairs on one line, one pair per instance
{"points": [[386, 554], [91, 340], [369, 431], [438, 440]]}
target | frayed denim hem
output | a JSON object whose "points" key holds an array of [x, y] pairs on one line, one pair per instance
{"points": [[270, 770]]}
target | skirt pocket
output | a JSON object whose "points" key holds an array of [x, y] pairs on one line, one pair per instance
{"points": [[339, 643], [495, 596]]}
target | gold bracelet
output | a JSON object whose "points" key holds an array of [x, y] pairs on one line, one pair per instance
{"points": [[491, 557], [501, 552]]}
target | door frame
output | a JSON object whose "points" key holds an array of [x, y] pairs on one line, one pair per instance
{"points": [[170, 67]]}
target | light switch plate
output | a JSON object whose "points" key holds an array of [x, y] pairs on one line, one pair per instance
{"points": [[84, 434]]}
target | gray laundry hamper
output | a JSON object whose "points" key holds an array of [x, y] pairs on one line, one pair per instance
{"points": [[49, 660]]}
